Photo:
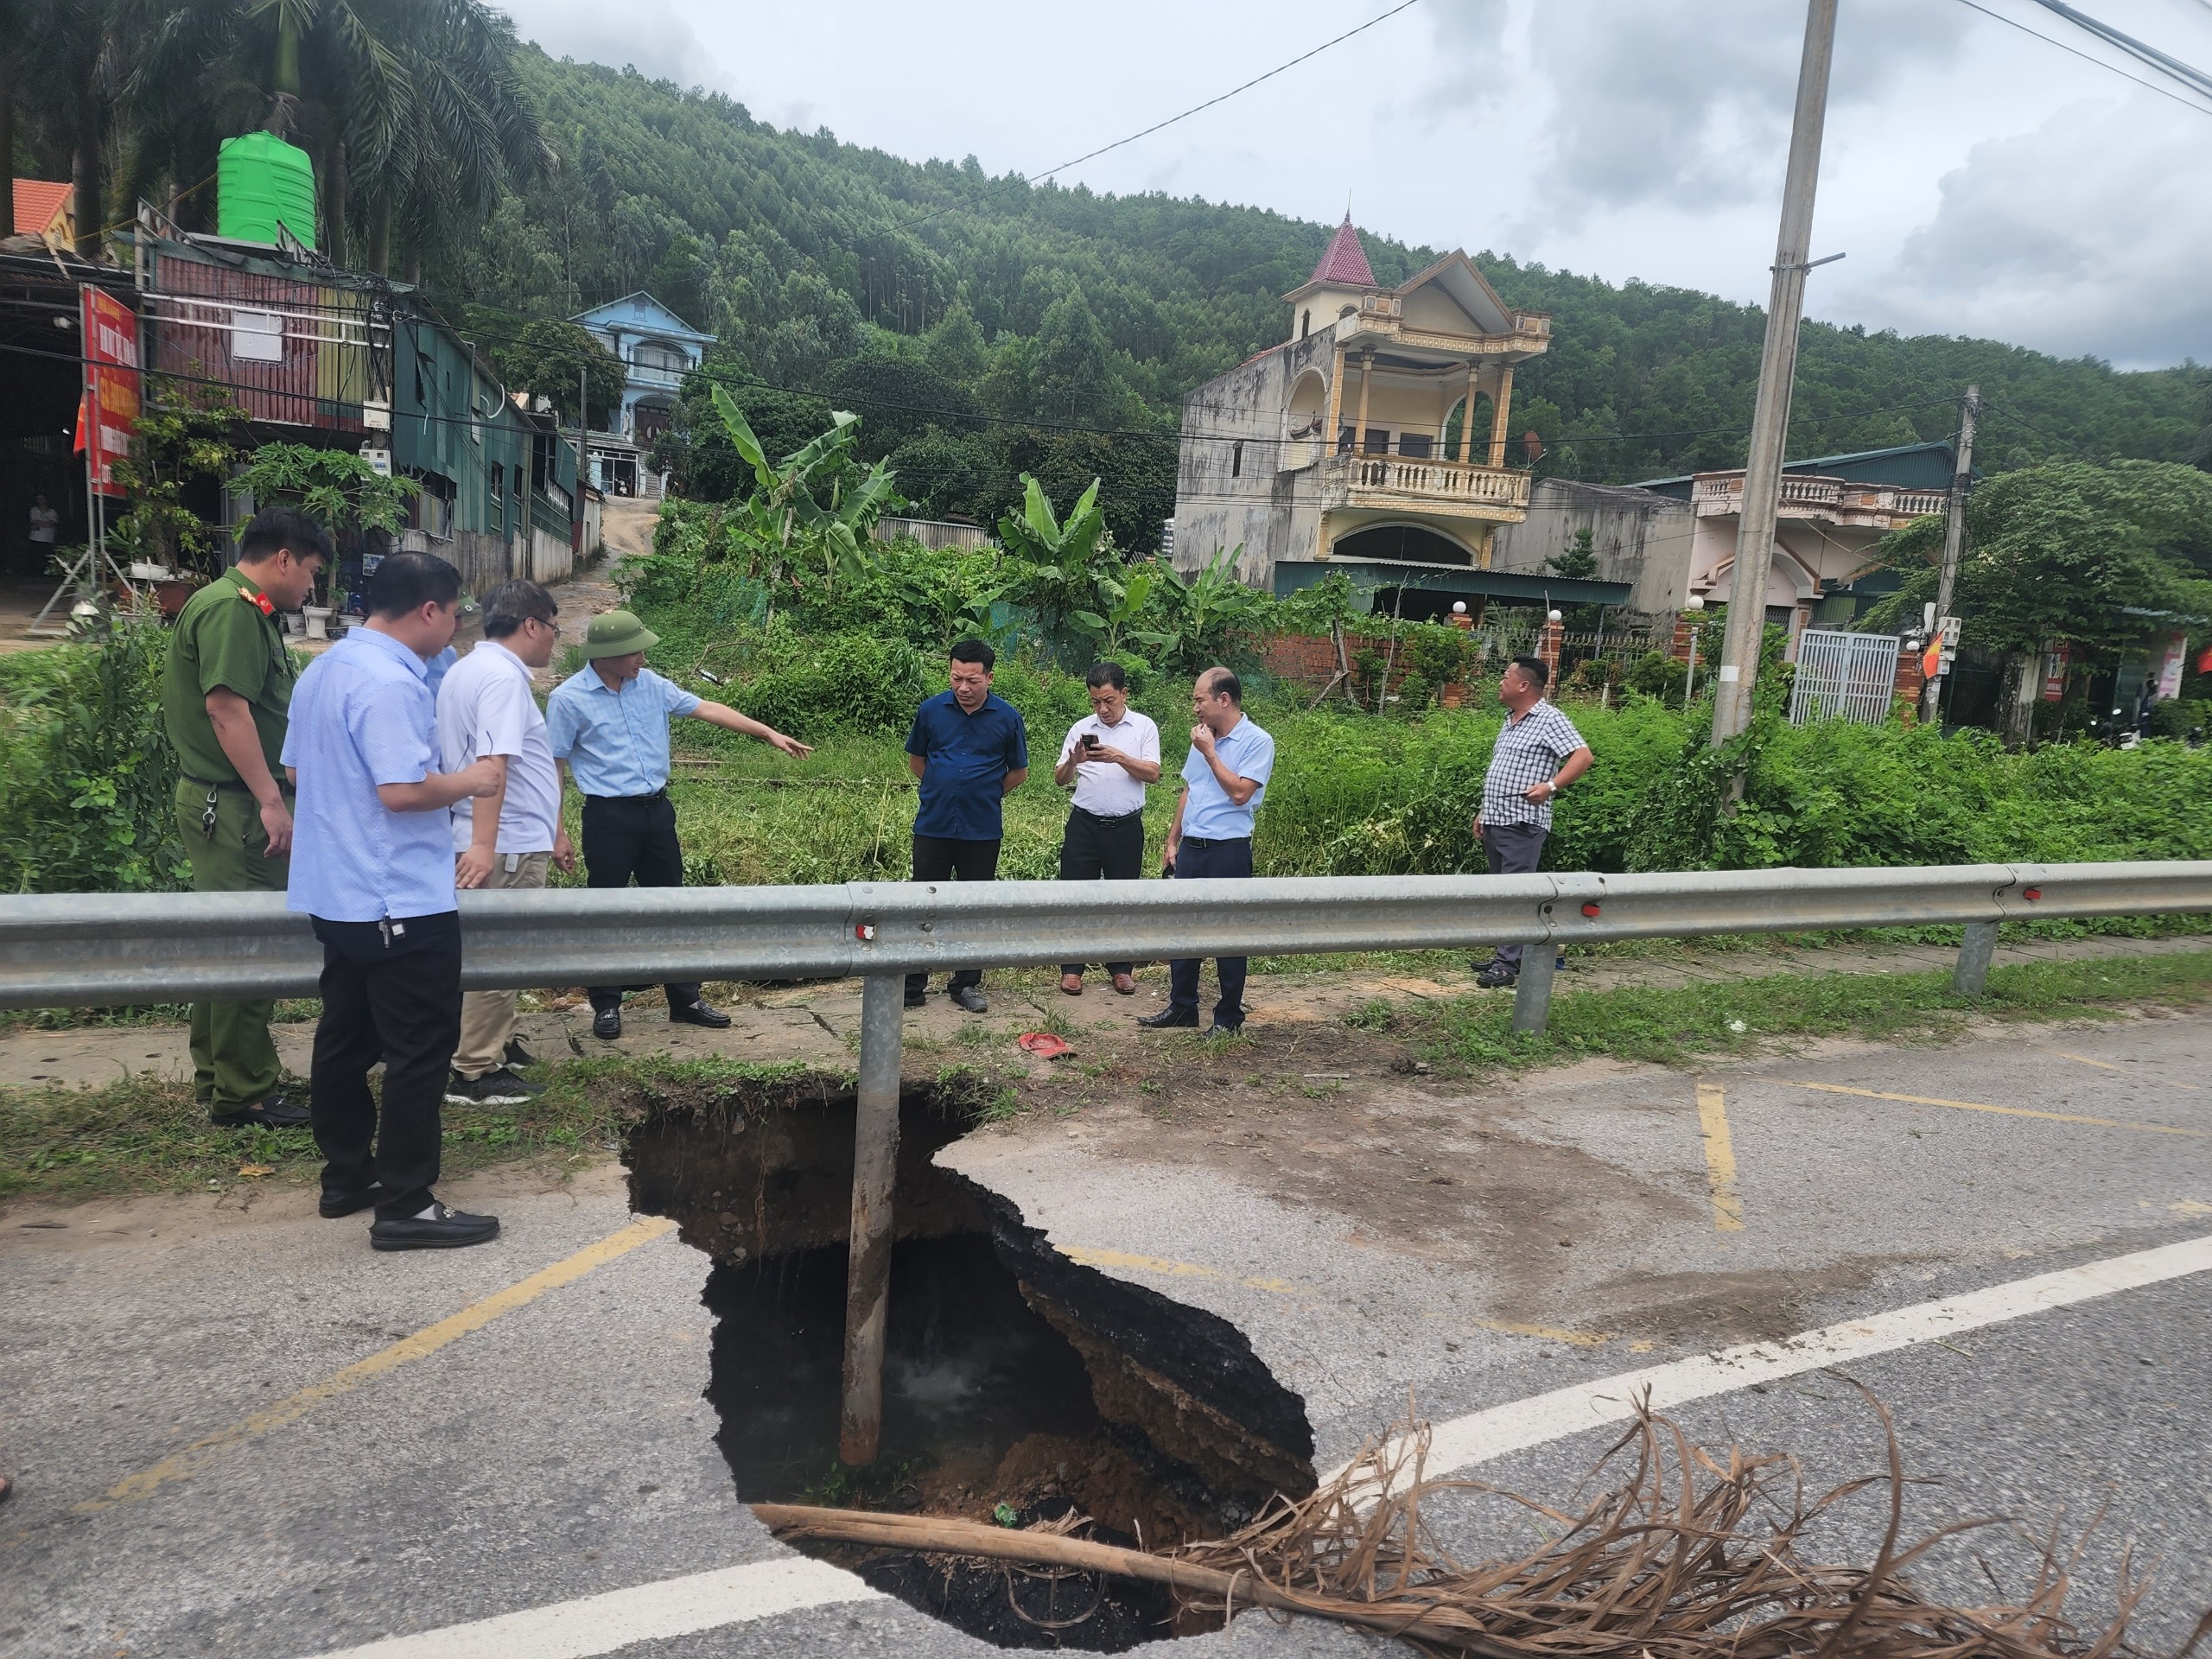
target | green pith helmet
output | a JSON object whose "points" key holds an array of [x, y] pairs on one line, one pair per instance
{"points": [[617, 633]]}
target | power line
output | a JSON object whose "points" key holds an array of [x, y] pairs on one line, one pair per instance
{"points": [[2140, 51], [1195, 109], [1224, 97], [2087, 57]]}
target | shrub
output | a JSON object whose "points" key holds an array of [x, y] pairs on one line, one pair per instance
{"points": [[91, 801]]}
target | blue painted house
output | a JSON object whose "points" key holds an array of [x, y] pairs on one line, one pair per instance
{"points": [[658, 349]]}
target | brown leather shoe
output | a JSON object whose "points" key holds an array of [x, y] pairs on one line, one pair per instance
{"points": [[1125, 984], [1070, 984]]}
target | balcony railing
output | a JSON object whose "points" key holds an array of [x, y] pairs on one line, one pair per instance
{"points": [[1835, 498], [1436, 485]]}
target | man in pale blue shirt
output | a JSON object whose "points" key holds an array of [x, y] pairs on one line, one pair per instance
{"points": [[1225, 780], [607, 724], [373, 866]]}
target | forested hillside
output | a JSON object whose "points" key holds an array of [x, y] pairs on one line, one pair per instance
{"points": [[984, 328]]}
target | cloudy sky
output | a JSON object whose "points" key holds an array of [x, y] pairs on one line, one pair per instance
{"points": [[1980, 181]]}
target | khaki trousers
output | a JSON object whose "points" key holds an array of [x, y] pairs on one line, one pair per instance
{"points": [[488, 1018]]}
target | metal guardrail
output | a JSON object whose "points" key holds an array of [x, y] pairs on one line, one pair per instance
{"points": [[64, 950], [75, 950]]}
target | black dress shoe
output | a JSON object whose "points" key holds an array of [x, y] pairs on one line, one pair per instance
{"points": [[919, 999], [698, 1014], [439, 1230], [278, 1112], [337, 1204], [1167, 1018], [607, 1023], [968, 997]]}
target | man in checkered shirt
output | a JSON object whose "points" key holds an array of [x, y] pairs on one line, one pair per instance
{"points": [[1538, 752]]}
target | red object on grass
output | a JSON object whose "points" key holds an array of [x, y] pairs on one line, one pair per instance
{"points": [[1043, 1045]]}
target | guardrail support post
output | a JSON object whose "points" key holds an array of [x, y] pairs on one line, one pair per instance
{"points": [[875, 1168], [1532, 994], [1972, 976]]}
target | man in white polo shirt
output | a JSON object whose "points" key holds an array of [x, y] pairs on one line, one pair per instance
{"points": [[487, 711], [1110, 756]]}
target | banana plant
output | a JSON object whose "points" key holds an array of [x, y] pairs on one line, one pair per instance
{"points": [[1206, 615], [815, 509], [1067, 559], [1124, 606]]}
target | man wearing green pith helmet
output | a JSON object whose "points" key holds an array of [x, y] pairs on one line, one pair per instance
{"points": [[608, 726]]}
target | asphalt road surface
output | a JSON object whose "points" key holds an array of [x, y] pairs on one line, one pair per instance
{"points": [[238, 1432]]}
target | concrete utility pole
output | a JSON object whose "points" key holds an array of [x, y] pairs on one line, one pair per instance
{"points": [[1955, 536], [1739, 650]]}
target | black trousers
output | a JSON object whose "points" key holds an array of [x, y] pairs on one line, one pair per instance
{"points": [[627, 835], [941, 858], [1094, 848], [1512, 850], [1194, 859], [393, 995]]}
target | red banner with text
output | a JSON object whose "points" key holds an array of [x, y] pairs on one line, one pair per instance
{"points": [[111, 405]]}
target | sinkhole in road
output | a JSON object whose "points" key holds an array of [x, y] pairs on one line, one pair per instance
{"points": [[1018, 1385]]}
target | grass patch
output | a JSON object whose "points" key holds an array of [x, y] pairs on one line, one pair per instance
{"points": [[1671, 1026], [146, 1134]]}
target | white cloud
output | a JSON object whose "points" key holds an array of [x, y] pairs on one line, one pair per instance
{"points": [[651, 36], [2091, 234]]}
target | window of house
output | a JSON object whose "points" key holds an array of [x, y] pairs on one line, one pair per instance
{"points": [[497, 477], [1416, 444], [1343, 440], [1237, 459], [1378, 441], [1305, 323]]}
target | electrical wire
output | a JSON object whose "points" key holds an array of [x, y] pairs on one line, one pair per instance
{"points": [[2087, 57], [2141, 51], [1195, 109]]}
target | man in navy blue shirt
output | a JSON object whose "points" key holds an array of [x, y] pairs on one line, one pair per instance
{"points": [[970, 751]]}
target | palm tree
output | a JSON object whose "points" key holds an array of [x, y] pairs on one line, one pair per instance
{"points": [[70, 64], [411, 108]]}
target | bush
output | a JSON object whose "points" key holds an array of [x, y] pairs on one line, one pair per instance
{"points": [[91, 801], [816, 688]]}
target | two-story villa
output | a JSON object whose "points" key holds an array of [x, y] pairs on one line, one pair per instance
{"points": [[658, 349], [1372, 441]]}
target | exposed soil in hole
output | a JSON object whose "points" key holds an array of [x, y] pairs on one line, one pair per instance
{"points": [[1018, 1385]]}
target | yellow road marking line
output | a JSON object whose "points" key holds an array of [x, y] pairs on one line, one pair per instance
{"points": [[421, 1345], [2107, 1066], [1719, 1159], [2002, 1111], [1092, 1255]]}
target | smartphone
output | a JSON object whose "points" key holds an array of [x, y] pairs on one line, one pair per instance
{"points": [[1090, 739]]}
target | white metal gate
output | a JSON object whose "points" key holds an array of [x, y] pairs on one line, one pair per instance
{"points": [[1846, 675]]}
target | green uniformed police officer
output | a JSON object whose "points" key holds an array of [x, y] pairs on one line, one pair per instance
{"points": [[224, 693]]}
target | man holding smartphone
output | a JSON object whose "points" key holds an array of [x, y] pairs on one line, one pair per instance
{"points": [[1110, 756]]}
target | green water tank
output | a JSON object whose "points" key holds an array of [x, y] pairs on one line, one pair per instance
{"points": [[262, 182]]}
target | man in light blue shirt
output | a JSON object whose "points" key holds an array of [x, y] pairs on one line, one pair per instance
{"points": [[373, 866], [607, 724], [1224, 781]]}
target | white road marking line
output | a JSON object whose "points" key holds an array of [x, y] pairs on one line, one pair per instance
{"points": [[599, 1625], [1463, 1442], [647, 1612]]}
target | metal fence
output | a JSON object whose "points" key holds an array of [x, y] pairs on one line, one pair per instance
{"points": [[68, 950], [1846, 675], [77, 950]]}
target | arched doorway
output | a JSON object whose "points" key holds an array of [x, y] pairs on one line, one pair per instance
{"points": [[1402, 544]]}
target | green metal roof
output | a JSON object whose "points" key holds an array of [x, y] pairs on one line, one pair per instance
{"points": [[1291, 575], [1908, 466]]}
